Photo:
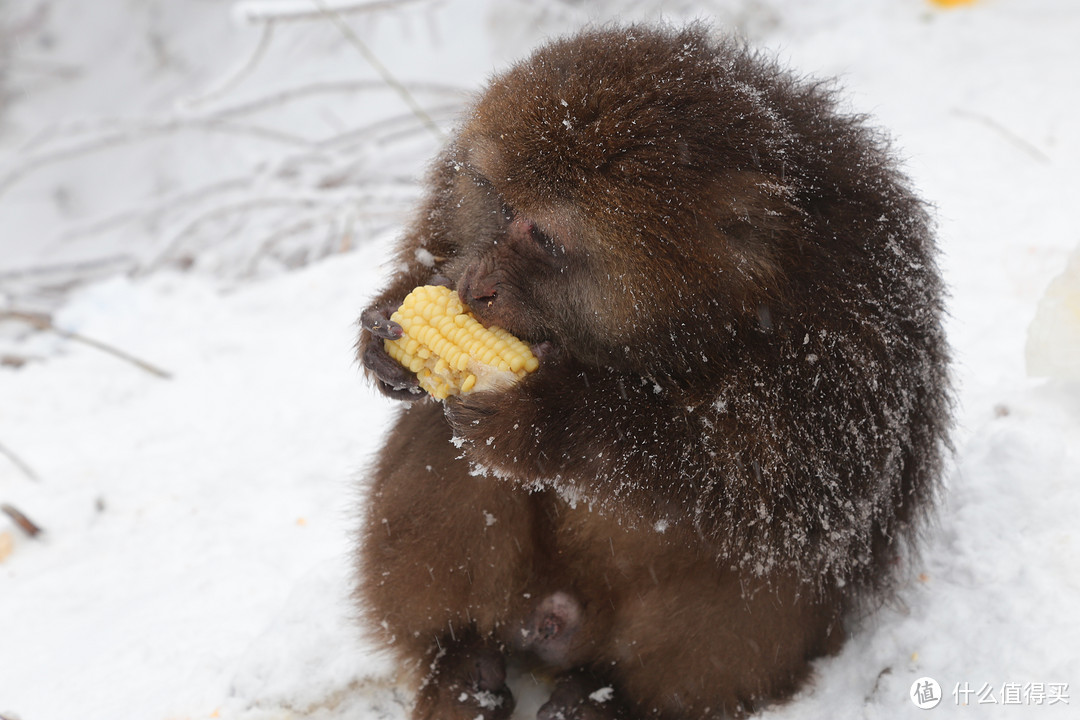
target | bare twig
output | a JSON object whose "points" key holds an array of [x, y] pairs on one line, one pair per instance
{"points": [[259, 13], [44, 68], [309, 222], [381, 69], [236, 77], [320, 88], [24, 523], [153, 214], [321, 173], [45, 286], [44, 322], [18, 462], [334, 12], [224, 212], [106, 128], [72, 267], [1006, 133], [391, 127], [268, 243], [137, 134]]}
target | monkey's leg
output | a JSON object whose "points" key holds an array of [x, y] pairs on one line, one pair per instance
{"points": [[446, 559], [700, 642]]}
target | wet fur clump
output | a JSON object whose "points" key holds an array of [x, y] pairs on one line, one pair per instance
{"points": [[741, 409]]}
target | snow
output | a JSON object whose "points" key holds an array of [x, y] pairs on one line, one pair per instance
{"points": [[602, 695], [198, 529]]}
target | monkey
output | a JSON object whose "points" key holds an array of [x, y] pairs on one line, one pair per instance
{"points": [[741, 412]]}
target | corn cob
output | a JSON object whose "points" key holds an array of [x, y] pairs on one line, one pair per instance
{"points": [[450, 351]]}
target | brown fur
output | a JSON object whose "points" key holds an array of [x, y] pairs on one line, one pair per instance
{"points": [[742, 402]]}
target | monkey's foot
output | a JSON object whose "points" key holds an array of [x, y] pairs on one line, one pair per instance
{"points": [[580, 696], [466, 683]]}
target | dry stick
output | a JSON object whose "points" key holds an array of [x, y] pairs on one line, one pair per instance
{"points": [[21, 520], [1006, 133], [75, 267], [137, 134], [328, 87], [124, 217], [44, 322], [47, 69], [267, 244], [108, 126], [310, 221], [235, 78], [384, 131], [383, 71], [257, 14], [241, 206], [154, 212], [18, 462]]}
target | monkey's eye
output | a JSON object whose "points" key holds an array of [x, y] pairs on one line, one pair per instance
{"points": [[544, 240], [525, 230]]}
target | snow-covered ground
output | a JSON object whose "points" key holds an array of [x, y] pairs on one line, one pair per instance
{"points": [[195, 559]]}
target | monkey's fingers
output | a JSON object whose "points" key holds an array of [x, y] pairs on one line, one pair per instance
{"points": [[376, 320], [391, 378], [450, 350]]}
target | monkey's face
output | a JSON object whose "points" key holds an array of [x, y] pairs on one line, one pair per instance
{"points": [[611, 213], [529, 268]]}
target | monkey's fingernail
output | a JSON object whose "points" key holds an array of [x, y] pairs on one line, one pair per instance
{"points": [[387, 329]]}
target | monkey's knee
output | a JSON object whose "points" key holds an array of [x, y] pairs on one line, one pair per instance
{"points": [[552, 628], [467, 682]]}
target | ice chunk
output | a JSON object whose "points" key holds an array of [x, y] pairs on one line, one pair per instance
{"points": [[1053, 341]]}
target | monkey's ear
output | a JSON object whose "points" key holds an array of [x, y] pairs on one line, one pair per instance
{"points": [[749, 222]]}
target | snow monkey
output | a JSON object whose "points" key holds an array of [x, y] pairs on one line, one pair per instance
{"points": [[741, 404]]}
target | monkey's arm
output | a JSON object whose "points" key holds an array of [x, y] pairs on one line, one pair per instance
{"points": [[609, 438]]}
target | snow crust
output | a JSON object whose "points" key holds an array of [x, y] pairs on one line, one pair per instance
{"points": [[196, 555]]}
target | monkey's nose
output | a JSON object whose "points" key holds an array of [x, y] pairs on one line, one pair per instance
{"points": [[477, 293]]}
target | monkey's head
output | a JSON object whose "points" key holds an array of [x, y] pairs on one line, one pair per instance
{"points": [[614, 192]]}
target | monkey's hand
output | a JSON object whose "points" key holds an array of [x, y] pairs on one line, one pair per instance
{"points": [[390, 378]]}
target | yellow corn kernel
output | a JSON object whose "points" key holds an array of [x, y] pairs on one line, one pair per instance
{"points": [[450, 351]]}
